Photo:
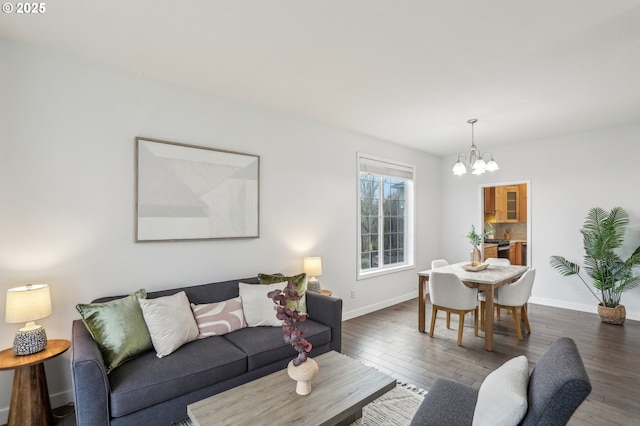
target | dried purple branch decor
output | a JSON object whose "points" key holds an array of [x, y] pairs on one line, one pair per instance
{"points": [[290, 319]]}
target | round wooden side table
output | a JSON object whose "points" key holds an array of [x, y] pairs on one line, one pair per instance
{"points": [[30, 396], [326, 292]]}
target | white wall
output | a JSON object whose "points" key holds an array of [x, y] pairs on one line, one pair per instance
{"points": [[67, 131], [568, 176], [67, 194]]}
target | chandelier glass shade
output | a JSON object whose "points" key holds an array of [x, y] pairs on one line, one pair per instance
{"points": [[475, 160]]}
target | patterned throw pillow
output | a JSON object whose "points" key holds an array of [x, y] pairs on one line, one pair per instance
{"points": [[216, 319], [300, 282]]}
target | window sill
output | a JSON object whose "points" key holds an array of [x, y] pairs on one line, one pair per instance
{"points": [[385, 271]]}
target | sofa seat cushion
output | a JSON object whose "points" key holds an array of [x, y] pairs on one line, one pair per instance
{"points": [[265, 345], [148, 380]]}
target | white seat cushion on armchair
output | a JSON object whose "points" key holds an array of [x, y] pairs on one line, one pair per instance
{"points": [[502, 398]]}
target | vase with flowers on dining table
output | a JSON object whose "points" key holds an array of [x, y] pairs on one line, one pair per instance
{"points": [[476, 239]]}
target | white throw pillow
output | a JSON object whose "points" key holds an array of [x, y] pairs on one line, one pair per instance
{"points": [[170, 322], [502, 398], [258, 309]]}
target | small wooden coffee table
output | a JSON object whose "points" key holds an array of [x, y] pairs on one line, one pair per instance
{"points": [[342, 387]]}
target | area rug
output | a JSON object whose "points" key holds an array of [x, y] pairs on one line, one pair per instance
{"points": [[395, 407]]}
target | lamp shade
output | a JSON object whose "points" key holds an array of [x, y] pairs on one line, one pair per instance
{"points": [[28, 303], [459, 168], [492, 166], [313, 266]]}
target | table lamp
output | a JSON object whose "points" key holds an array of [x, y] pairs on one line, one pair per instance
{"points": [[313, 269], [27, 304]]}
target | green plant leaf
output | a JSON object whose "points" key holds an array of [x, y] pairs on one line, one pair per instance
{"points": [[603, 232], [565, 267]]}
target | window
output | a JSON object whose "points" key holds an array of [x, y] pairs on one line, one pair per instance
{"points": [[385, 237]]}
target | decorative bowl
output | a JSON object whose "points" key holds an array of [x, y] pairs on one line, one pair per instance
{"points": [[471, 268]]}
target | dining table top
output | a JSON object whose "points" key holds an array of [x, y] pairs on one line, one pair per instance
{"points": [[492, 275]]}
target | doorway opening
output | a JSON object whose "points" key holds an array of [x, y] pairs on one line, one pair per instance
{"points": [[506, 208]]}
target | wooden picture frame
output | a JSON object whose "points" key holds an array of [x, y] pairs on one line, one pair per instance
{"points": [[186, 192]]}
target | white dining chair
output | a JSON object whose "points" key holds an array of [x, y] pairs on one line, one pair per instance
{"points": [[501, 262], [438, 263], [513, 297], [449, 294], [497, 261]]}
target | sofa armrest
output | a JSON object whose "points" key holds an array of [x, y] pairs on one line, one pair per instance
{"points": [[89, 378], [327, 310], [447, 403]]}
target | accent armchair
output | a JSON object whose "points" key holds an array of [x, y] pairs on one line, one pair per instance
{"points": [[557, 385]]}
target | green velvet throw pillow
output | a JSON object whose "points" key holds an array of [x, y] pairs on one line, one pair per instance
{"points": [[118, 327], [300, 282]]}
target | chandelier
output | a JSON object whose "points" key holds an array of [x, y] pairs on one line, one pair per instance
{"points": [[475, 160]]}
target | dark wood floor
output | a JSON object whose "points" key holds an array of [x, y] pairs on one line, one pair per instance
{"points": [[389, 339]]}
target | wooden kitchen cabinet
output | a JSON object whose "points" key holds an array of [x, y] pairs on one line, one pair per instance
{"points": [[523, 203], [490, 199], [490, 250], [507, 204], [515, 253]]}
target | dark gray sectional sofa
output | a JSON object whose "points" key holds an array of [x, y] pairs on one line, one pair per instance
{"points": [[156, 391]]}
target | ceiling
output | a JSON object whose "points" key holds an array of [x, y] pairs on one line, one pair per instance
{"points": [[407, 71]]}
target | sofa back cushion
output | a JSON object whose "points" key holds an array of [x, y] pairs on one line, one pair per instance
{"points": [[199, 294], [557, 386]]}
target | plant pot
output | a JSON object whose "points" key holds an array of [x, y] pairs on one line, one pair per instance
{"points": [[303, 374], [615, 315]]}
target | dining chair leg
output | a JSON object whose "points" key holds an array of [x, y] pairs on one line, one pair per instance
{"points": [[516, 320], [460, 327], [475, 321], [482, 315], [498, 313], [434, 312], [525, 318]]}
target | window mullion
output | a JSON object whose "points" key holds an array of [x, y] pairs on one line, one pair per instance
{"points": [[381, 220]]}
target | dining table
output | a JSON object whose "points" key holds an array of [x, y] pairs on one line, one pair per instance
{"points": [[486, 280]]}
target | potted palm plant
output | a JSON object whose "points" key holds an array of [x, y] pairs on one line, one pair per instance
{"points": [[603, 233]]}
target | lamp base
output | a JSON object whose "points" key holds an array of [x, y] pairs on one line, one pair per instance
{"points": [[313, 285], [30, 341]]}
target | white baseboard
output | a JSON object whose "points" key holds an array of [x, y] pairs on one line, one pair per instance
{"points": [[632, 315], [377, 306]]}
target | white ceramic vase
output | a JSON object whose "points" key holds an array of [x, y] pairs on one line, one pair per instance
{"points": [[303, 374]]}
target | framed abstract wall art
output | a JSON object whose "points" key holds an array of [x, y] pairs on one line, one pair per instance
{"points": [[187, 192]]}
